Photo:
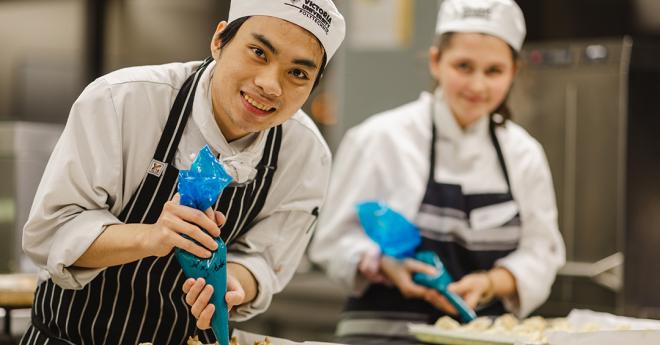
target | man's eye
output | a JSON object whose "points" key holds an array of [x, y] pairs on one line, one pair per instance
{"points": [[259, 52], [300, 74]]}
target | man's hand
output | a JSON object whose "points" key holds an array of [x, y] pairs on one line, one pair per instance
{"points": [[235, 294], [400, 273], [123, 243], [198, 296], [176, 220]]}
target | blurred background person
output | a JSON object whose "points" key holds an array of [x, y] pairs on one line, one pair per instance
{"points": [[476, 184]]}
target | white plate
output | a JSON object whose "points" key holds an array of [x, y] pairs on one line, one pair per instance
{"points": [[432, 334]]}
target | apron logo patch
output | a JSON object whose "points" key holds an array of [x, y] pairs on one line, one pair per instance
{"points": [[156, 168]]}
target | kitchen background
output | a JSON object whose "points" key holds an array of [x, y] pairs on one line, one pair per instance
{"points": [[587, 92]]}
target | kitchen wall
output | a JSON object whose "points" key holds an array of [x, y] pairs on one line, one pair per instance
{"points": [[146, 32], [40, 59]]}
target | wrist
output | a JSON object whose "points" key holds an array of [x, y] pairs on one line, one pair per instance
{"points": [[142, 243], [489, 292]]}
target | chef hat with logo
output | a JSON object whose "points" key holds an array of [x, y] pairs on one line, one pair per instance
{"points": [[319, 17], [500, 18]]}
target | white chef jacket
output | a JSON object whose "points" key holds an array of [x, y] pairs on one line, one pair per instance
{"points": [[387, 158], [104, 152]]}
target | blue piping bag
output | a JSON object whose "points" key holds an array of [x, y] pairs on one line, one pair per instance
{"points": [[200, 188], [440, 281], [399, 238], [393, 233]]}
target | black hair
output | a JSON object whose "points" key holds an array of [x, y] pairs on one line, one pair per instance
{"points": [[232, 28], [442, 42]]}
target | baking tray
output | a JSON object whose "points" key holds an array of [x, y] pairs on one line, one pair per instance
{"points": [[435, 335]]}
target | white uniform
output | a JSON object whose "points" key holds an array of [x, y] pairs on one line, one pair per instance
{"points": [[387, 158], [106, 147]]}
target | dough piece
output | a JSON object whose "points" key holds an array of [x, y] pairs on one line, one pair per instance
{"points": [[479, 324], [535, 323], [506, 321], [447, 323], [194, 341], [266, 341]]}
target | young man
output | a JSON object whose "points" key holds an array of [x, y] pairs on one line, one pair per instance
{"points": [[106, 216]]}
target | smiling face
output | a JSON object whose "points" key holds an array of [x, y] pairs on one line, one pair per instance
{"points": [[475, 72], [263, 75]]}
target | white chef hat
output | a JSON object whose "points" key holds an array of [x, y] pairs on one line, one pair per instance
{"points": [[500, 18], [320, 17]]}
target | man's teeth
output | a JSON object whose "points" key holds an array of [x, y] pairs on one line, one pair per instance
{"points": [[255, 103]]}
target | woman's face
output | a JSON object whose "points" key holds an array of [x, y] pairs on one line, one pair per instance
{"points": [[475, 72]]}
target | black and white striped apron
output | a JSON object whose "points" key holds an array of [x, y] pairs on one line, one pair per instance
{"points": [[142, 301], [381, 314]]}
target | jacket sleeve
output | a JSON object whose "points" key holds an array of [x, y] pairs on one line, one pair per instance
{"points": [[541, 250], [271, 258], [71, 206], [273, 247]]}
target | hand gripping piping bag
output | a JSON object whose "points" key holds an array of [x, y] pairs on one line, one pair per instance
{"points": [[199, 188], [399, 238]]}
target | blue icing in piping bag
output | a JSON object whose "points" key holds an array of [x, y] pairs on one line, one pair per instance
{"points": [[393, 233], [399, 238], [440, 281], [200, 188]]}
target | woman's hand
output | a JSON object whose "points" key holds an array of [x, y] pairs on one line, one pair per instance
{"points": [[480, 287], [400, 273], [176, 220], [473, 288], [369, 266]]}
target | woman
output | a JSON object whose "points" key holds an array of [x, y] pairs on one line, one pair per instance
{"points": [[476, 185]]}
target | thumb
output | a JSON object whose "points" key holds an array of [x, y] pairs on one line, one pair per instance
{"points": [[176, 198], [460, 287], [234, 298], [472, 299]]}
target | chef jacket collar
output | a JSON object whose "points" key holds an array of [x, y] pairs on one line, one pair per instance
{"points": [[446, 124], [239, 159]]}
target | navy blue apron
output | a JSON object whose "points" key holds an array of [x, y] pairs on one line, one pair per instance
{"points": [[380, 315], [142, 301]]}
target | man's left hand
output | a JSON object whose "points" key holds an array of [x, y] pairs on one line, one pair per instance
{"points": [[198, 296]]}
